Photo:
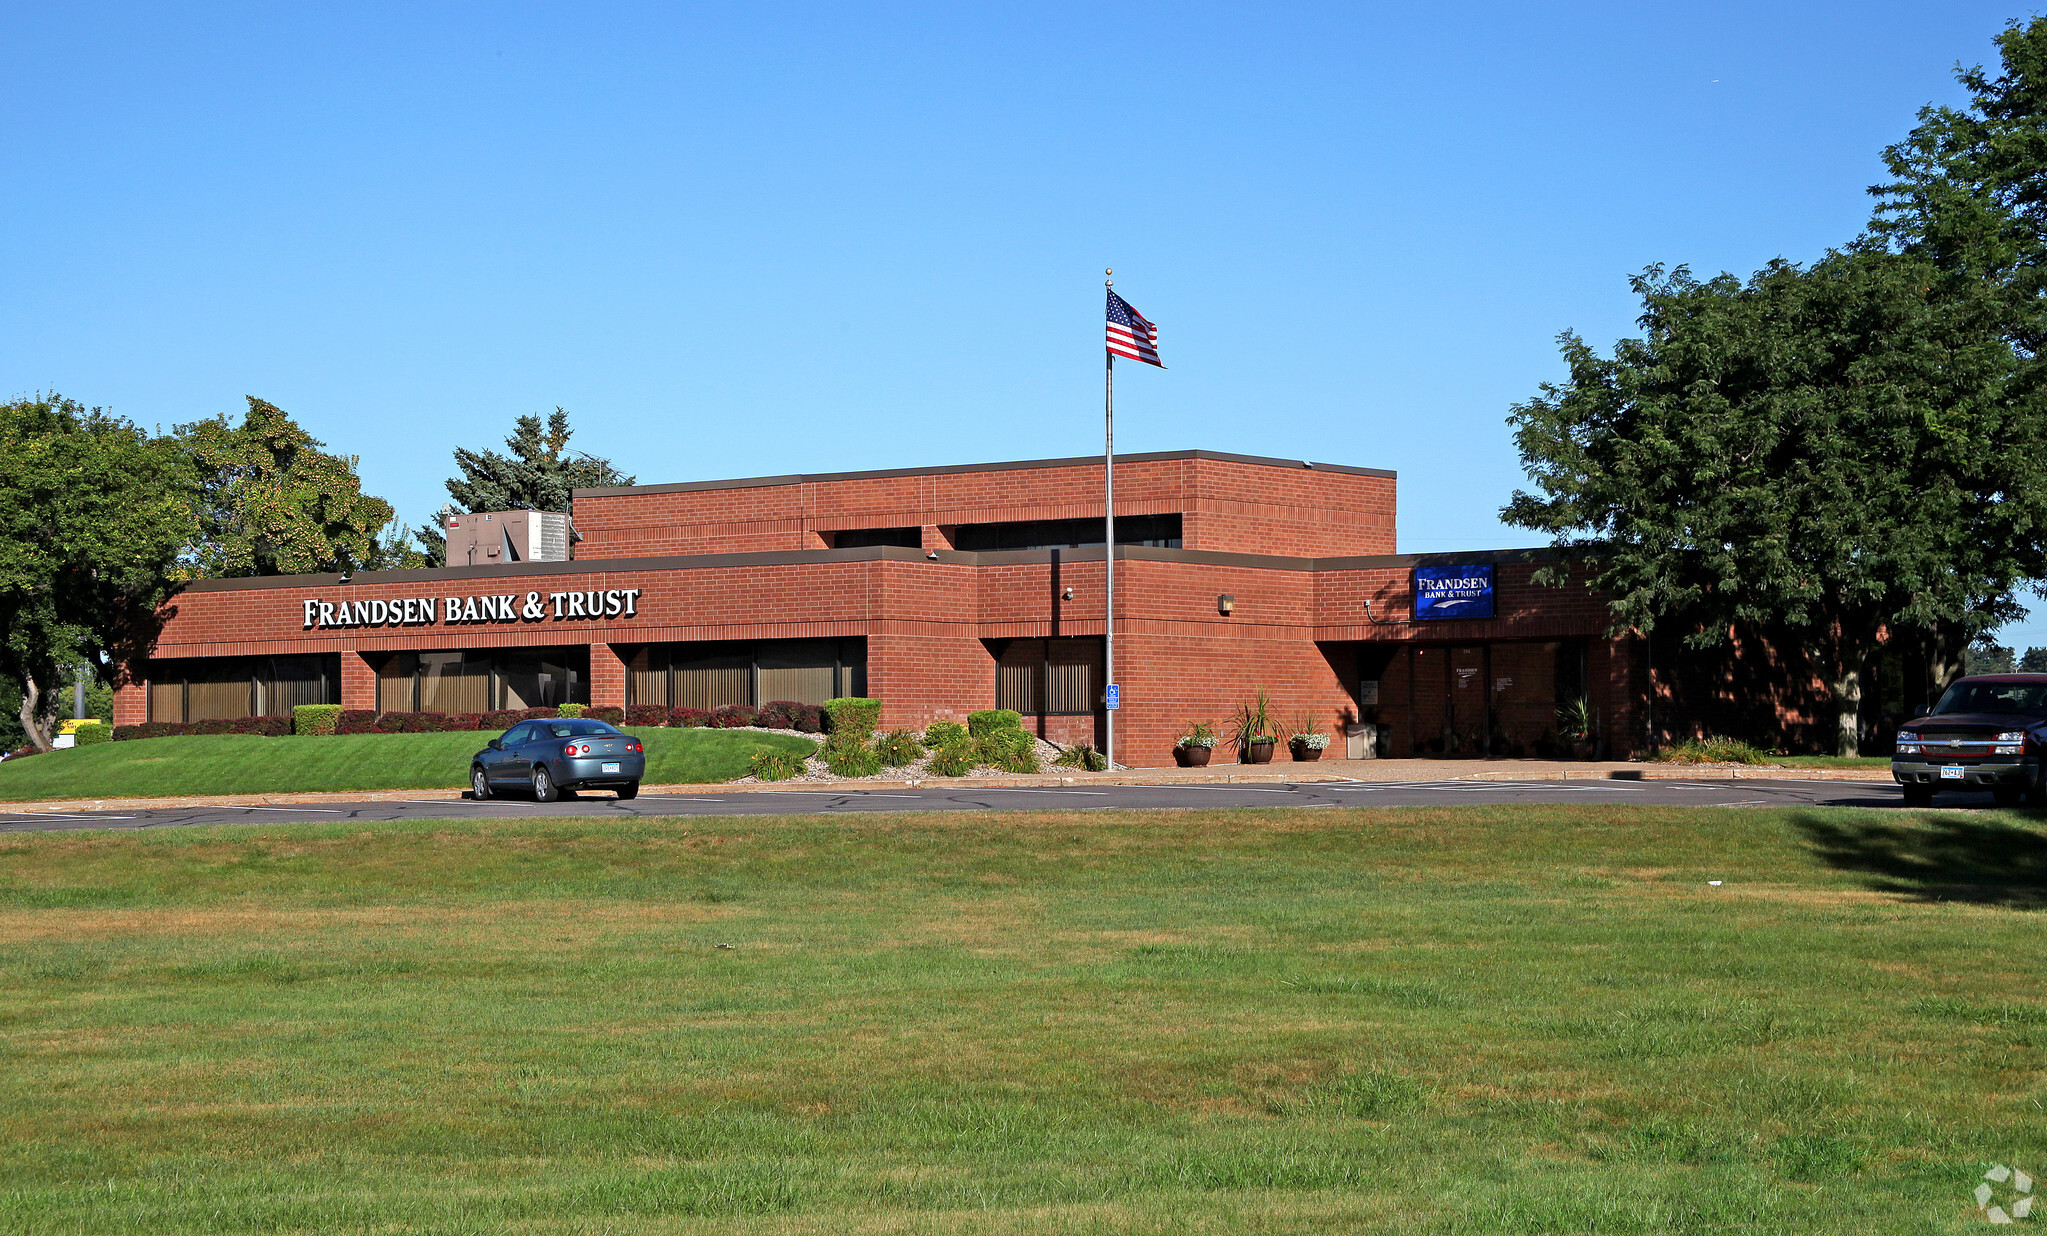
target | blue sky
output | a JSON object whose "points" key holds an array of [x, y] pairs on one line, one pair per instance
{"points": [[737, 240]]}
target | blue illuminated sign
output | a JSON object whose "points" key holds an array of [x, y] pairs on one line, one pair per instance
{"points": [[1453, 592]]}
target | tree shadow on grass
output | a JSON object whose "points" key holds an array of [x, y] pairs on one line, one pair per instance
{"points": [[1938, 858]]}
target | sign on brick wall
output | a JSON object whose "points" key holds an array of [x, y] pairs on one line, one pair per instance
{"points": [[451, 611], [1453, 592]]}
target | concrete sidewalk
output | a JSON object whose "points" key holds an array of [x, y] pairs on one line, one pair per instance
{"points": [[1215, 774]]}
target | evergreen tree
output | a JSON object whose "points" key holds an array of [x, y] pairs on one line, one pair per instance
{"points": [[537, 472]]}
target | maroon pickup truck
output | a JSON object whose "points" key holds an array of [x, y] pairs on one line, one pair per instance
{"points": [[1988, 732]]}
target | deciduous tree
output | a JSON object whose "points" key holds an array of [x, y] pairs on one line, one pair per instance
{"points": [[93, 516], [271, 501]]}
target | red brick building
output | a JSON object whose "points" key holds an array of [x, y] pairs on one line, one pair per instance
{"points": [[940, 591]]}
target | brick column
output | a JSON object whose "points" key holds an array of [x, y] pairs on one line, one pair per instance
{"points": [[131, 703], [358, 682], [607, 677]]}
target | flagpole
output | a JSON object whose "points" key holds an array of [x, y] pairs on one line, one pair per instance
{"points": [[1109, 539]]}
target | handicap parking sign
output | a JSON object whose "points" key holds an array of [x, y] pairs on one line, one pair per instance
{"points": [[1115, 695]]}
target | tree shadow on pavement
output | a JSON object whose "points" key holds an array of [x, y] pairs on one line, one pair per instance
{"points": [[1938, 858]]}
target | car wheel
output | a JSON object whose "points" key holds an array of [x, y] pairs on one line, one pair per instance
{"points": [[629, 791], [543, 785], [2009, 795], [1918, 796], [479, 783]]}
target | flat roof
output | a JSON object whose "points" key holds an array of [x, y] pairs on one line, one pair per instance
{"points": [[428, 576], [1075, 461]]}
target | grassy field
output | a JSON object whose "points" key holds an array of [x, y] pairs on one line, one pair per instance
{"points": [[243, 764], [1876, 762], [1457, 1020]]}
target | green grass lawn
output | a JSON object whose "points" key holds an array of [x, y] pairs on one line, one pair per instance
{"points": [[1457, 1020], [243, 764], [1879, 762]]}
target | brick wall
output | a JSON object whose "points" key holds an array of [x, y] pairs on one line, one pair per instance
{"points": [[1226, 505]]}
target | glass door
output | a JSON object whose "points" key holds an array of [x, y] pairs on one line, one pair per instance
{"points": [[1466, 709]]}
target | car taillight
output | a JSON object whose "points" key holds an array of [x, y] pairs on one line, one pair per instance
{"points": [[572, 748], [636, 748]]}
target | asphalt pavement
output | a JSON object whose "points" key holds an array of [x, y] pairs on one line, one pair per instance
{"points": [[1094, 797]]}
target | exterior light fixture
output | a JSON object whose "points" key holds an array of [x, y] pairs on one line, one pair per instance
{"points": [[1225, 605], [931, 554], [1067, 595]]}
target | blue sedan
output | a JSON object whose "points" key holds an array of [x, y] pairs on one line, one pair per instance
{"points": [[557, 755]]}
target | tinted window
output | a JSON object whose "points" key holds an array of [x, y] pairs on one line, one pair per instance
{"points": [[514, 736], [2021, 698], [578, 729]]}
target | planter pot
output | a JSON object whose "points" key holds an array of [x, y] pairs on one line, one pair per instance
{"points": [[1581, 748], [1258, 753], [1302, 752], [1193, 757]]}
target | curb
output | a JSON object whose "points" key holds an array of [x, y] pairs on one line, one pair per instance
{"points": [[1415, 770]]}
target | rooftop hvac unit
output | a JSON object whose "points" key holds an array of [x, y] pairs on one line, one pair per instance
{"points": [[487, 538]]}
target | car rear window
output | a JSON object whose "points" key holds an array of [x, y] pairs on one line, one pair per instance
{"points": [[2018, 698], [579, 729]]}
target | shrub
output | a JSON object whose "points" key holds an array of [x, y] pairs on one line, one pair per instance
{"points": [[499, 721], [1011, 751], [734, 716], [538, 714], [955, 760], [646, 714], [806, 718], [775, 764], [944, 734], [125, 733], [851, 758], [690, 718], [852, 715], [356, 721], [412, 723], [570, 710], [268, 727], [462, 721], [988, 721], [1084, 756], [898, 747], [774, 715], [212, 725], [1712, 751], [148, 729], [313, 719], [93, 733], [607, 714]]}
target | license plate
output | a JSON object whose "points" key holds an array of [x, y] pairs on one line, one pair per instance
{"points": [[611, 766], [1951, 772]]}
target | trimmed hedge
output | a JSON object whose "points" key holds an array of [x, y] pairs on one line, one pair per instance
{"points": [[356, 721], [315, 718], [538, 714], [570, 710], [944, 734], [853, 716], [791, 715], [646, 714], [606, 714], [501, 720], [691, 718], [734, 716], [990, 720], [93, 734]]}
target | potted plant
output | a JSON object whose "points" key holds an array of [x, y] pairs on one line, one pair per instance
{"points": [[1253, 731], [1307, 742], [1196, 745], [1578, 725]]}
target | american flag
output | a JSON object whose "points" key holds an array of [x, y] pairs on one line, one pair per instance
{"points": [[1130, 335]]}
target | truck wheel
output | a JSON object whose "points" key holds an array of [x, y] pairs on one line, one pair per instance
{"points": [[1918, 795], [2009, 795]]}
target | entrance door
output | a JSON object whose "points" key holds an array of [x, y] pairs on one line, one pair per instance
{"points": [[1467, 705]]}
